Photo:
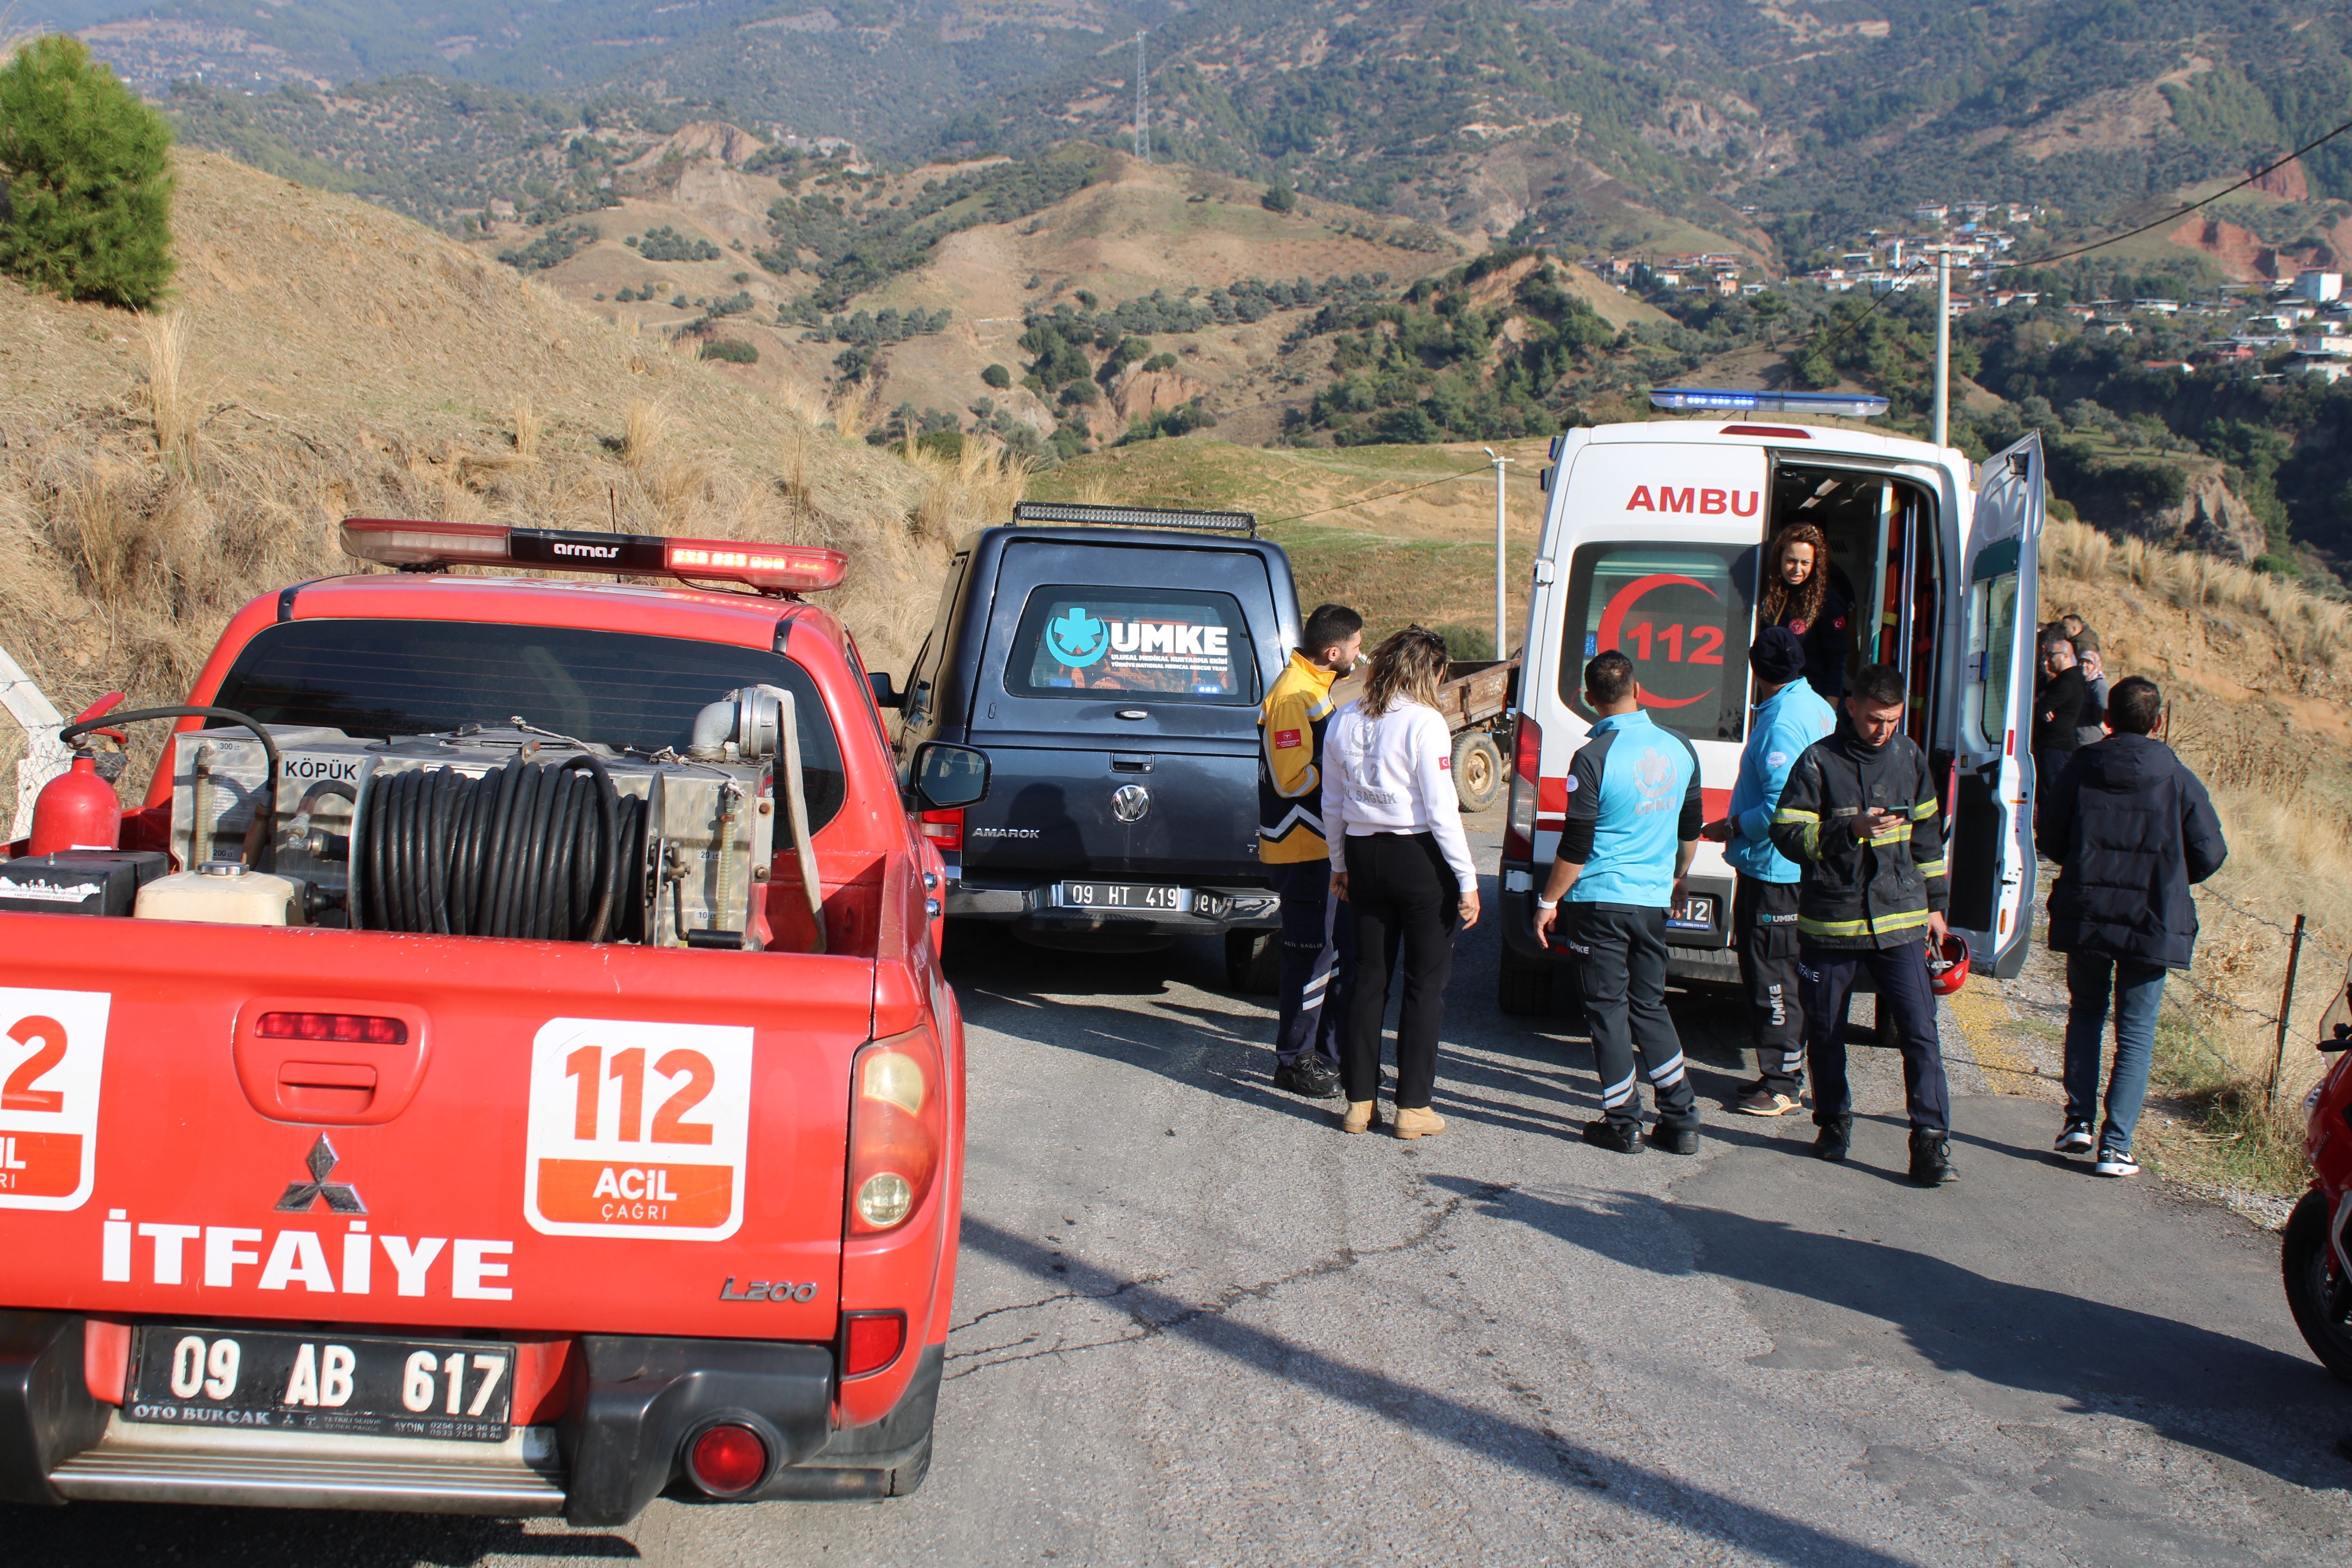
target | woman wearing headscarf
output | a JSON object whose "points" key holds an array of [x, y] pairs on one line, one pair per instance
{"points": [[1401, 860], [1799, 594]]}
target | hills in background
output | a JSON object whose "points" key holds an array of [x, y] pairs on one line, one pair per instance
{"points": [[1758, 124]]}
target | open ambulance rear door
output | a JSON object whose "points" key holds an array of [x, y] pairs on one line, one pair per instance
{"points": [[1991, 851]]}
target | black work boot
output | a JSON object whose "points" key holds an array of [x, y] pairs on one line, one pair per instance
{"points": [[1931, 1157], [1309, 1075], [1618, 1138], [1674, 1140], [1835, 1139]]}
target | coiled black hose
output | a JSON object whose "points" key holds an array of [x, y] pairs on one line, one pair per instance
{"points": [[544, 849]]}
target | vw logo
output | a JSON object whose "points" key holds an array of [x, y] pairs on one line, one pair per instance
{"points": [[1131, 803]]}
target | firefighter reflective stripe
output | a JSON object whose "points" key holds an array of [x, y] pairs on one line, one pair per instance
{"points": [[1924, 810], [1931, 868], [1809, 839], [1879, 927]]}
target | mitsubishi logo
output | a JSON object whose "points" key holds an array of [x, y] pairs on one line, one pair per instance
{"points": [[341, 1197], [1131, 803]]}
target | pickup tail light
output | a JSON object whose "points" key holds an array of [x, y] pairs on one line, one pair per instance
{"points": [[346, 1026], [727, 1461], [870, 1341], [945, 829], [1527, 764], [895, 1130]]}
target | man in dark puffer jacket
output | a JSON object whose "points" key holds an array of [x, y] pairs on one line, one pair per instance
{"points": [[2132, 830]]}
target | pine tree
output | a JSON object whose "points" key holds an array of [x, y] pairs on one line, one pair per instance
{"points": [[88, 172]]}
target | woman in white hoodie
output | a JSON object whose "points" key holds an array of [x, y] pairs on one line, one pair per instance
{"points": [[1400, 859]]}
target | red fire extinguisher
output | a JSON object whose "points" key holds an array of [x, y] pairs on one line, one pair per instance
{"points": [[78, 809]]}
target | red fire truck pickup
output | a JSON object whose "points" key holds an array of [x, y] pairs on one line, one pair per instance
{"points": [[503, 1069]]}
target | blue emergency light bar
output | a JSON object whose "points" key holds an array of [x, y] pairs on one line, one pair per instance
{"points": [[1731, 400]]}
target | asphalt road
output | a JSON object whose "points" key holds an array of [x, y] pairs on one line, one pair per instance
{"points": [[1198, 1325]]}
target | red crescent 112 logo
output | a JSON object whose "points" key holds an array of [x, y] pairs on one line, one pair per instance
{"points": [[1677, 653]]}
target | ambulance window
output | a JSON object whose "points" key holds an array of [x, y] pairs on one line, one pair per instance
{"points": [[1084, 642], [1681, 613], [1995, 647]]}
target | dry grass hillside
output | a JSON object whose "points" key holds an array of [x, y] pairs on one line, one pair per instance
{"points": [[1140, 228], [324, 357]]}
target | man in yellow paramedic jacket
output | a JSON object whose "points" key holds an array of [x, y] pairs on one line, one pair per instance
{"points": [[1317, 939]]}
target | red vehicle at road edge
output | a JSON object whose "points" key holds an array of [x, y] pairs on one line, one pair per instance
{"points": [[2314, 1254], [299, 1138]]}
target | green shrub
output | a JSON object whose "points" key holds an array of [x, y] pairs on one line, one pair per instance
{"points": [[1279, 199], [1466, 642], [734, 351], [997, 377], [89, 179]]}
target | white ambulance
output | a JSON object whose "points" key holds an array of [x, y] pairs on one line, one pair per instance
{"points": [[1653, 541]]}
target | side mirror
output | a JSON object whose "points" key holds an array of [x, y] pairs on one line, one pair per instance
{"points": [[946, 776], [884, 694]]}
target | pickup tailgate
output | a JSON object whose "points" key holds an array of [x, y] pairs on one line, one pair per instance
{"points": [[1190, 809], [531, 1135]]}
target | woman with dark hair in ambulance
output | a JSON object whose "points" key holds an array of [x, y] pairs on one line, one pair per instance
{"points": [[1800, 593]]}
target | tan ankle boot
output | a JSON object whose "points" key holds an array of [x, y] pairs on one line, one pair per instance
{"points": [[1420, 1123], [1359, 1118]]}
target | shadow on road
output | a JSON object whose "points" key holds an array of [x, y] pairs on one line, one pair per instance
{"points": [[113, 1535], [1534, 1450], [2198, 1386]]}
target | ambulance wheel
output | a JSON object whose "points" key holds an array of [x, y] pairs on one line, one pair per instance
{"points": [[1522, 989], [1253, 963], [1477, 770], [2318, 1300]]}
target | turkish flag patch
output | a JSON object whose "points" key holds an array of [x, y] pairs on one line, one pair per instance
{"points": [[1284, 739], [1838, 625], [1446, 763]]}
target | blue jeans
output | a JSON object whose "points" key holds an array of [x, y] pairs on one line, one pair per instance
{"points": [[2139, 988], [1318, 954]]}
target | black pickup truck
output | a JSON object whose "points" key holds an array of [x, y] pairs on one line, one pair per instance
{"points": [[1110, 661]]}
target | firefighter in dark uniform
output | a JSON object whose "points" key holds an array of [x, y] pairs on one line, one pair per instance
{"points": [[1790, 716], [1859, 814]]}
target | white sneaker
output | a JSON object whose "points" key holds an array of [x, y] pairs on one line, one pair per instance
{"points": [[2076, 1140], [2116, 1163]]}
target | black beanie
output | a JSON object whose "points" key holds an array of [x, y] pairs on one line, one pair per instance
{"points": [[1777, 655]]}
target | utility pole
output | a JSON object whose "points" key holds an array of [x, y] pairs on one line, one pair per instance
{"points": [[1142, 120], [1943, 345], [1502, 648]]}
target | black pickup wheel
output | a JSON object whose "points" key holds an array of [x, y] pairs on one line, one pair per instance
{"points": [[1253, 963]]}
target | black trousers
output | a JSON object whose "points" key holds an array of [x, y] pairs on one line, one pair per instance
{"points": [[1620, 953], [1764, 929], [1902, 976], [1405, 900], [1318, 954]]}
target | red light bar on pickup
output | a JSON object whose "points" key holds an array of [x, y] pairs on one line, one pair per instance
{"points": [[429, 546]]}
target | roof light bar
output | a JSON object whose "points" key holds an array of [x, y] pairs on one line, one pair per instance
{"points": [[1733, 400], [1135, 517], [428, 546]]}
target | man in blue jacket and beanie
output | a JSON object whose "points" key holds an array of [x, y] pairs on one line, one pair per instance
{"points": [[2132, 830], [1790, 716]]}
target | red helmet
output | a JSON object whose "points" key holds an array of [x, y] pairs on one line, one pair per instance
{"points": [[1948, 968]]}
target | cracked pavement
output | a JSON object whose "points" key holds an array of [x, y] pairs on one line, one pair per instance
{"points": [[1195, 1324]]}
